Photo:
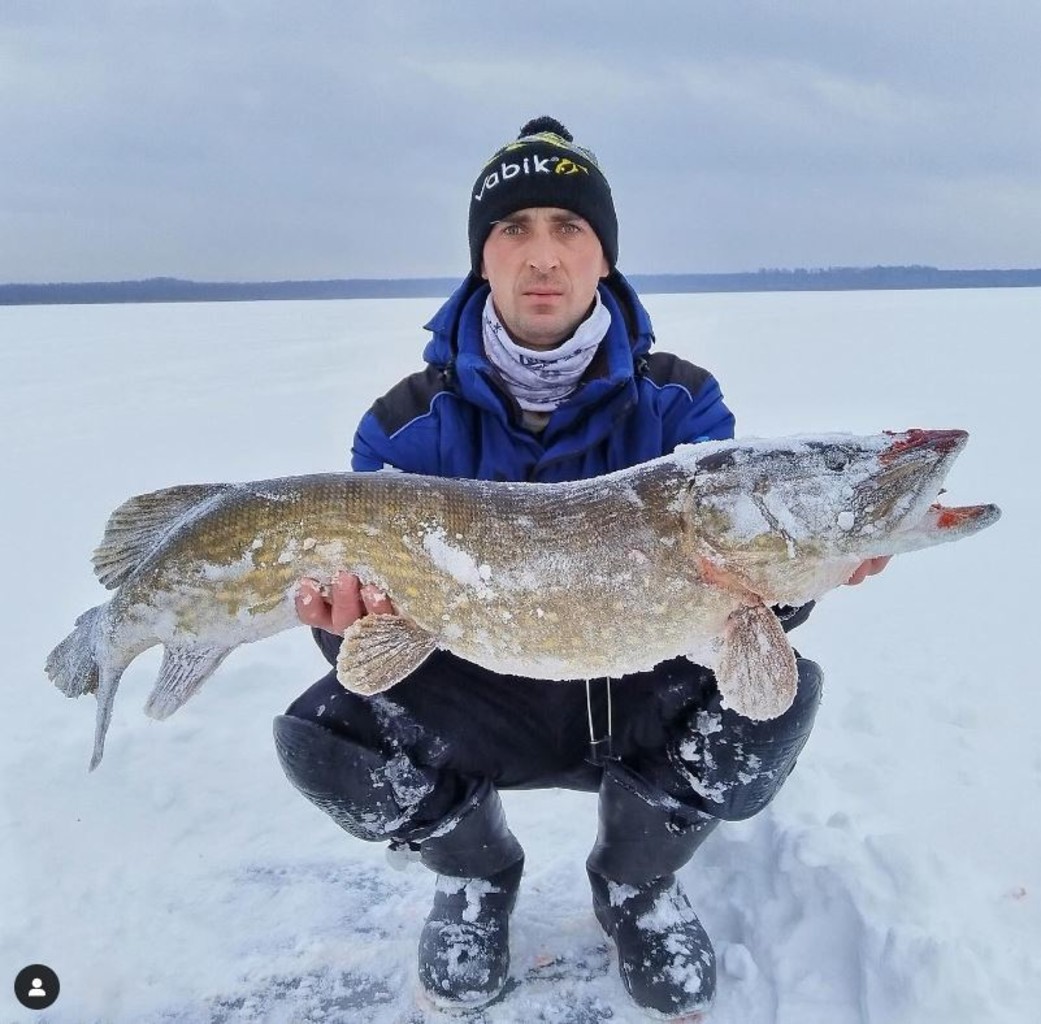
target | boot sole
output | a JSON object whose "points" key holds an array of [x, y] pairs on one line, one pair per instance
{"points": [[459, 1005]]}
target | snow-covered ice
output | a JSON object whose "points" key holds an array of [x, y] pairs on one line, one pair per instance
{"points": [[896, 879]]}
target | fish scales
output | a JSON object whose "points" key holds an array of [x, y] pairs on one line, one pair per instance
{"points": [[483, 563], [682, 555]]}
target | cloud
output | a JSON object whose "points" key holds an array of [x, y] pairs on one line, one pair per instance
{"points": [[225, 140]]}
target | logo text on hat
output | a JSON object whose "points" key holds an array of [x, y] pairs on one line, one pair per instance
{"points": [[529, 165]]}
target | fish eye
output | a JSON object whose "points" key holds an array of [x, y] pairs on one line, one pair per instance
{"points": [[835, 459]]}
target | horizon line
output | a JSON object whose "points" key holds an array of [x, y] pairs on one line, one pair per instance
{"points": [[440, 278]]}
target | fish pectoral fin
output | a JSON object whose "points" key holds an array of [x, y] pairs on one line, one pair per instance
{"points": [[379, 651], [756, 674], [183, 671]]}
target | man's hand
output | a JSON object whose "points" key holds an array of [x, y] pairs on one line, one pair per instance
{"points": [[335, 607], [869, 568]]}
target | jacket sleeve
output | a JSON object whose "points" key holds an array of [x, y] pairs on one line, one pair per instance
{"points": [[371, 448], [402, 430], [688, 401], [706, 417]]}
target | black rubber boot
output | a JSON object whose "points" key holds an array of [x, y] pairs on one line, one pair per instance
{"points": [[665, 957], [459, 829], [464, 948]]}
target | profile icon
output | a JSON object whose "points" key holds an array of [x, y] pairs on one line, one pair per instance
{"points": [[36, 987]]}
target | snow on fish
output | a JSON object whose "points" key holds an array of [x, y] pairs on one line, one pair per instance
{"points": [[682, 555]]}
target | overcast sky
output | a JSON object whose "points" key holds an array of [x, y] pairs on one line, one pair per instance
{"points": [[255, 140]]}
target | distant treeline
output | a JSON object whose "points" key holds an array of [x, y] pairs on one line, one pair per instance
{"points": [[170, 289]]}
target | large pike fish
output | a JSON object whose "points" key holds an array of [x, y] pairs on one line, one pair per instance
{"points": [[683, 555]]}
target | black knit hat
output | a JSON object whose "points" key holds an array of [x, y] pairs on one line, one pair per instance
{"points": [[543, 167]]}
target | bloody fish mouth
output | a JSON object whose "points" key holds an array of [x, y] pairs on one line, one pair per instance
{"points": [[946, 517], [942, 442]]}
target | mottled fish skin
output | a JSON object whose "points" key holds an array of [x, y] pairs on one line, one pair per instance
{"points": [[679, 556]]}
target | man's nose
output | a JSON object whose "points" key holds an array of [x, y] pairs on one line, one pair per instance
{"points": [[543, 256]]}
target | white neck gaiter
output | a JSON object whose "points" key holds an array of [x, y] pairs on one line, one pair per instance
{"points": [[542, 380]]}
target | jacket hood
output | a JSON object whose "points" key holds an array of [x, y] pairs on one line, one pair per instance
{"points": [[443, 348]]}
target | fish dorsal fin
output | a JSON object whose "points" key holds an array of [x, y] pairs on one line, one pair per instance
{"points": [[379, 651], [756, 674], [137, 527]]}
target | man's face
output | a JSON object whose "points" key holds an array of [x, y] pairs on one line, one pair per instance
{"points": [[543, 265]]}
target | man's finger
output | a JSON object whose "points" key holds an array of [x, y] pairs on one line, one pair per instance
{"points": [[871, 567], [345, 601], [857, 577], [376, 601], [311, 607]]}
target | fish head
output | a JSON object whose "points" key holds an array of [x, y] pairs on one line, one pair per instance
{"points": [[790, 519]]}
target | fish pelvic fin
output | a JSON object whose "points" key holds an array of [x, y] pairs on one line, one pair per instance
{"points": [[756, 674], [141, 523], [73, 665], [181, 674], [379, 651]]}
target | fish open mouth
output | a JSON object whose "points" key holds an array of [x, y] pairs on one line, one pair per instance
{"points": [[926, 456]]}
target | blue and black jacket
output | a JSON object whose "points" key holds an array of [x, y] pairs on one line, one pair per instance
{"points": [[456, 418]]}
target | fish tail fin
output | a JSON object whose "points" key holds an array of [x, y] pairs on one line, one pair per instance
{"points": [[108, 684], [73, 665]]}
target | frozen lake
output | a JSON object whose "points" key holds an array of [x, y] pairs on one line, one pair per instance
{"points": [[896, 878]]}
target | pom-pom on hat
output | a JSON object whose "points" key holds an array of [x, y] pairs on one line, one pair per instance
{"points": [[543, 167]]}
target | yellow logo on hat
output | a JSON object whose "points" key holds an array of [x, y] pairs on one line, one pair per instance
{"points": [[533, 164], [566, 166]]}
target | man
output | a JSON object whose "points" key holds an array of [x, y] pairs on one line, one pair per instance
{"points": [[540, 369]]}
